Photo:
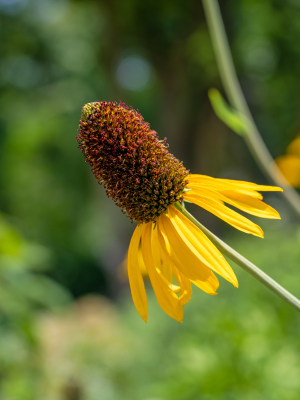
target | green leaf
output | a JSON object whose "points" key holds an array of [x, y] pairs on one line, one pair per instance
{"points": [[232, 118]]}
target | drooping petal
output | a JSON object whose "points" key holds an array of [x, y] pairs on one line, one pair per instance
{"points": [[210, 286], [209, 282], [202, 245], [182, 253], [185, 287], [164, 267], [134, 267], [246, 200], [165, 296], [200, 182], [217, 208], [250, 205]]}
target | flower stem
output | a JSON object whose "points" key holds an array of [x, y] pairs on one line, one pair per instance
{"points": [[243, 262], [235, 95]]}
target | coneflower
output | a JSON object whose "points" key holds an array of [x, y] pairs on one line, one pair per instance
{"points": [[150, 185]]}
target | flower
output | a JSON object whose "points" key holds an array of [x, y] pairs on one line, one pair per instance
{"points": [[289, 163], [150, 185]]}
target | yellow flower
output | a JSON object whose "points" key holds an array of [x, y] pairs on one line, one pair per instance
{"points": [[174, 247], [150, 185], [289, 163]]}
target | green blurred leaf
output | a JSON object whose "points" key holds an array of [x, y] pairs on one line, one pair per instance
{"points": [[232, 118], [37, 289], [17, 252]]}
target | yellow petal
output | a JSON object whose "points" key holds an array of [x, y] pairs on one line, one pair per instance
{"points": [[250, 205], [136, 281], [181, 252], [220, 210], [163, 266], [185, 287], [210, 286], [230, 183], [165, 296], [213, 189], [202, 246]]}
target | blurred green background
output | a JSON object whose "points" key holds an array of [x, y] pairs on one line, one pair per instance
{"points": [[68, 327]]}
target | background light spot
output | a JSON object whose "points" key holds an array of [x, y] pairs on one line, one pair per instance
{"points": [[133, 73]]}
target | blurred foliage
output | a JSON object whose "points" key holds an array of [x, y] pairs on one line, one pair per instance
{"points": [[267, 55], [60, 235], [243, 343], [25, 291]]}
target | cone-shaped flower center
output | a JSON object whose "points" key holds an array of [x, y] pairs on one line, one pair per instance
{"points": [[137, 170]]}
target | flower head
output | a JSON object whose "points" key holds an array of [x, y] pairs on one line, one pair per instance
{"points": [[149, 183], [137, 170]]}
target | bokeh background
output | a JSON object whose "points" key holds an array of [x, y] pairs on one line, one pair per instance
{"points": [[68, 328]]}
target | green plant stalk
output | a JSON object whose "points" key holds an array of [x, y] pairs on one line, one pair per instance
{"points": [[235, 95], [243, 262]]}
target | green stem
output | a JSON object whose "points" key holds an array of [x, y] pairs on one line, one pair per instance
{"points": [[237, 100], [243, 262]]}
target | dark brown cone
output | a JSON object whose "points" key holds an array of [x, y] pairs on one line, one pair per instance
{"points": [[137, 170]]}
